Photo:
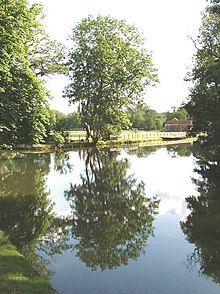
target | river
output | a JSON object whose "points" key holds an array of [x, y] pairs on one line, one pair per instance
{"points": [[114, 221]]}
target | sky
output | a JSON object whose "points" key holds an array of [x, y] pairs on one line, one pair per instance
{"points": [[167, 26]]}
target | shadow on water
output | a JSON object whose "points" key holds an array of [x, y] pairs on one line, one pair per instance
{"points": [[111, 216], [26, 213], [202, 226]]}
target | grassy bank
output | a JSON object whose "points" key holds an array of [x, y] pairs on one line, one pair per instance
{"points": [[126, 138], [16, 275]]}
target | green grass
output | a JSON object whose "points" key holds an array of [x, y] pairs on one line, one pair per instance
{"points": [[16, 275]]}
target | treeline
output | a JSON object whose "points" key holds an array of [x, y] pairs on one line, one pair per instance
{"points": [[61, 122], [109, 70], [141, 117]]}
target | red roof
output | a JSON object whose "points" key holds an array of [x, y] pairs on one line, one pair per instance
{"points": [[176, 121]]}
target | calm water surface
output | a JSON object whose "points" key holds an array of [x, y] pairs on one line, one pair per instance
{"points": [[129, 221]]}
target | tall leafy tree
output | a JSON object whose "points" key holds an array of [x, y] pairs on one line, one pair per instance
{"points": [[204, 103], [23, 97], [108, 68]]}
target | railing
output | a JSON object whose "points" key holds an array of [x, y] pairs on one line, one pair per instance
{"points": [[152, 135], [139, 135]]}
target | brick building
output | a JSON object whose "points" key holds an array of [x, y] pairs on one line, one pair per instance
{"points": [[176, 125]]}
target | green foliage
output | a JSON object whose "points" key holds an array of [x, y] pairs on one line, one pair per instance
{"points": [[74, 121], [46, 56], [58, 138], [204, 103], [61, 122], [142, 117], [23, 111], [108, 69], [58, 120], [23, 99], [179, 113]]}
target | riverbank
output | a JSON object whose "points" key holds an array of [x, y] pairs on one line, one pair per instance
{"points": [[16, 275], [77, 140], [103, 144]]}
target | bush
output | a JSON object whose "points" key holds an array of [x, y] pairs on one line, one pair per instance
{"points": [[58, 138]]}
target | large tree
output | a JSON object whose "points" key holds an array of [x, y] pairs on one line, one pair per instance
{"points": [[204, 103], [108, 68], [23, 97]]}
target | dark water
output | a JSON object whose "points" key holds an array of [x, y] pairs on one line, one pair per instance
{"points": [[108, 221]]}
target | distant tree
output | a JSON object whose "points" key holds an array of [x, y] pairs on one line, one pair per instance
{"points": [[142, 117], [64, 122], [108, 69], [204, 99], [74, 121], [58, 120], [154, 120], [179, 113]]}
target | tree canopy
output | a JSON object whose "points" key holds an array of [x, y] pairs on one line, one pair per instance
{"points": [[24, 48], [108, 68], [204, 100]]}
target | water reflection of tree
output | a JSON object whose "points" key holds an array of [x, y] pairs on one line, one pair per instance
{"points": [[143, 151], [62, 162], [112, 217], [202, 226], [25, 210], [180, 150]]}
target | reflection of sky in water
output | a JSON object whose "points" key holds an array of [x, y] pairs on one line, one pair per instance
{"points": [[165, 176], [58, 183], [162, 269]]}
